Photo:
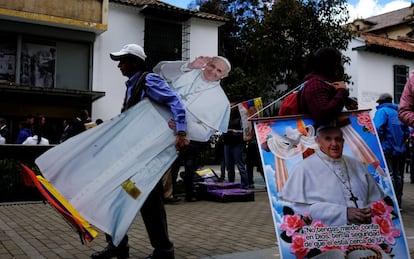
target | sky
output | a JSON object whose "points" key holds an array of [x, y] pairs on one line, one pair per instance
{"points": [[357, 8]]}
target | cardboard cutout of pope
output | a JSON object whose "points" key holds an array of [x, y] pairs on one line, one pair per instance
{"points": [[338, 203]]}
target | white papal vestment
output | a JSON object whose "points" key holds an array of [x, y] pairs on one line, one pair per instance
{"points": [[206, 104], [313, 188]]}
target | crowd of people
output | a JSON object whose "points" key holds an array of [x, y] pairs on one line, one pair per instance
{"points": [[35, 130]]}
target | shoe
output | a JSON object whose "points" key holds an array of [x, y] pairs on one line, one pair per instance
{"points": [[165, 256], [192, 199], [172, 200], [112, 251]]}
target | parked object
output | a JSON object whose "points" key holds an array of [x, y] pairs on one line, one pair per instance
{"points": [[231, 195], [208, 188]]}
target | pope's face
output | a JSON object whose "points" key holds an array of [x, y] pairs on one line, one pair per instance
{"points": [[331, 142], [216, 69]]}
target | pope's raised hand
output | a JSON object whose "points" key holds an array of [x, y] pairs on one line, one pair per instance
{"points": [[199, 62]]}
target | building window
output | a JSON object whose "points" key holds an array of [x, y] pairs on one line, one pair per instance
{"points": [[38, 56], [7, 58], [186, 40], [38, 64], [163, 41], [400, 78]]}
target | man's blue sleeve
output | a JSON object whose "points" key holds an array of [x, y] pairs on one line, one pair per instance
{"points": [[159, 91]]}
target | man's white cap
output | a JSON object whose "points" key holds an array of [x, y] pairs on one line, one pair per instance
{"points": [[129, 50]]}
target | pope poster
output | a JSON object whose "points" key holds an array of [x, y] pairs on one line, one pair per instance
{"points": [[331, 196]]}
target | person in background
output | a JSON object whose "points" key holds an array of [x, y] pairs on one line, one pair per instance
{"points": [[410, 155], [219, 154], [325, 94], [392, 134], [24, 133], [406, 115], [253, 160], [65, 132], [40, 119], [197, 83], [234, 148], [75, 126], [4, 131], [169, 182], [406, 105], [30, 119], [138, 86], [38, 131], [252, 152]]}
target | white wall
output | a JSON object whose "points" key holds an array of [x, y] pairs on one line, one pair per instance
{"points": [[203, 38], [372, 75], [125, 25]]}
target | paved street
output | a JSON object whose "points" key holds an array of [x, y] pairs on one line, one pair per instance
{"points": [[202, 229]]}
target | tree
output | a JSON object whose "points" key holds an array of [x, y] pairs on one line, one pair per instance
{"points": [[268, 42]]}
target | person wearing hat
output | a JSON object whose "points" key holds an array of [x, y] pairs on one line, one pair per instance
{"points": [[392, 134], [349, 186], [139, 85], [208, 108]]}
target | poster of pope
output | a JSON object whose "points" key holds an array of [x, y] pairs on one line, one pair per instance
{"points": [[329, 188]]}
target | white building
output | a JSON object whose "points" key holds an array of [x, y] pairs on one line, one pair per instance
{"points": [[66, 45], [181, 34], [382, 56]]}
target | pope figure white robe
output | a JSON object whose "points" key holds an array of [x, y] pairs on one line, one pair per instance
{"points": [[90, 168], [313, 188], [206, 104]]}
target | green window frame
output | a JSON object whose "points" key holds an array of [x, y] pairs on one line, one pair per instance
{"points": [[400, 78]]}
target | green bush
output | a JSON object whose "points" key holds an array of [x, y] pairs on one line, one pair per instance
{"points": [[12, 186]]}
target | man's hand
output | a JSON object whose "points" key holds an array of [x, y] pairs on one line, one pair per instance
{"points": [[181, 142], [359, 216], [172, 124]]}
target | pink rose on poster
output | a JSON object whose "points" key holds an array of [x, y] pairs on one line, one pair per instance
{"points": [[380, 208], [298, 246], [387, 229], [296, 229], [291, 223], [365, 121], [264, 131]]}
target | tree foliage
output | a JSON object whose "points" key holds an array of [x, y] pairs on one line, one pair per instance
{"points": [[267, 41]]}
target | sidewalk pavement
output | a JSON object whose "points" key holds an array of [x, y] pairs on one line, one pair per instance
{"points": [[199, 230]]}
